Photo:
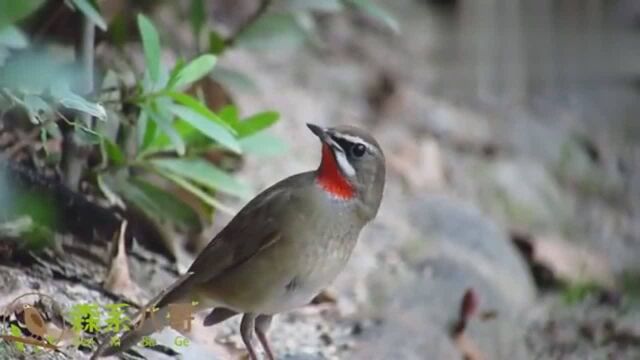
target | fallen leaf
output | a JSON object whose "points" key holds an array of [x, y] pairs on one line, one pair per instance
{"points": [[570, 262], [420, 164], [118, 280]]}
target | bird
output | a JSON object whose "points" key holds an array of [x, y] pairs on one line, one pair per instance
{"points": [[284, 246]]}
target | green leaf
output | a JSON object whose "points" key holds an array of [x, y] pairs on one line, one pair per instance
{"points": [[212, 129], [160, 115], [376, 12], [173, 75], [229, 114], [112, 151], [91, 12], [216, 43], [202, 195], [15, 331], [195, 70], [151, 45], [205, 174], [318, 5], [11, 11], [68, 99], [273, 30], [156, 203], [37, 109], [145, 130], [13, 38], [77, 102], [233, 79], [256, 123], [199, 107], [191, 136], [197, 16], [106, 184], [169, 206], [53, 130], [85, 135], [263, 145]]}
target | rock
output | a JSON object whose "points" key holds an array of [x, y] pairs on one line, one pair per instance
{"points": [[418, 291], [420, 164], [522, 194], [460, 232]]}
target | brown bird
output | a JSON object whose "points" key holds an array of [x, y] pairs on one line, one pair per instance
{"points": [[285, 245]]}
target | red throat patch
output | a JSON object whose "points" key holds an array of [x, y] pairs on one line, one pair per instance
{"points": [[331, 179]]}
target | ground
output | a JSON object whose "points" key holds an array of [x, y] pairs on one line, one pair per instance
{"points": [[463, 183]]}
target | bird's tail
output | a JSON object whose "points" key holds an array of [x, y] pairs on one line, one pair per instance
{"points": [[148, 326], [152, 318]]}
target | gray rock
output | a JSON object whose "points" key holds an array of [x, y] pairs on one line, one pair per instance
{"points": [[522, 193], [453, 247], [459, 232]]}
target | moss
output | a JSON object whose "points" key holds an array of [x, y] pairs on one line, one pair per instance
{"points": [[578, 292]]}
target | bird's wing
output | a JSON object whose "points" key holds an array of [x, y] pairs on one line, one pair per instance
{"points": [[253, 229]]}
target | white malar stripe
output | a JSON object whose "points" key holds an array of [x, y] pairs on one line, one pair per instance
{"points": [[344, 164]]}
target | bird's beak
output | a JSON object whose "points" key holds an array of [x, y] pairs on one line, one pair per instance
{"points": [[318, 131], [324, 136]]}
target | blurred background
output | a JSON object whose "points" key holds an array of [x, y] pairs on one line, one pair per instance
{"points": [[132, 131]]}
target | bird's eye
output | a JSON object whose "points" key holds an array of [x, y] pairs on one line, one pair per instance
{"points": [[358, 150]]}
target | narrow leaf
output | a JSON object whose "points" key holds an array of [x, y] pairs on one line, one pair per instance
{"points": [[216, 43], [318, 5], [145, 130], [68, 99], [106, 184], [273, 30], [77, 102], [256, 123], [199, 107], [162, 119], [151, 45], [212, 129], [197, 16], [195, 70], [203, 196], [229, 114], [91, 12], [376, 12], [113, 152], [171, 207], [204, 173], [263, 145], [232, 79], [173, 75], [37, 108], [11, 11]]}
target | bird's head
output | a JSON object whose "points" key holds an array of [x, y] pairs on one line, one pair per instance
{"points": [[352, 165]]}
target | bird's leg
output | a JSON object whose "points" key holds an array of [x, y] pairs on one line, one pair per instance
{"points": [[218, 315], [262, 325], [246, 332]]}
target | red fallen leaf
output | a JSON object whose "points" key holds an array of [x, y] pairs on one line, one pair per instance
{"points": [[469, 305]]}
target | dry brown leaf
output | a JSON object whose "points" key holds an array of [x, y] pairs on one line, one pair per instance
{"points": [[571, 262], [468, 348], [420, 164], [118, 280]]}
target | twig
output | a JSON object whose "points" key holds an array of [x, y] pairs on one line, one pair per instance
{"points": [[74, 153], [262, 8]]}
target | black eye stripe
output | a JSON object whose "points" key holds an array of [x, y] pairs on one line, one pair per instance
{"points": [[344, 144]]}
